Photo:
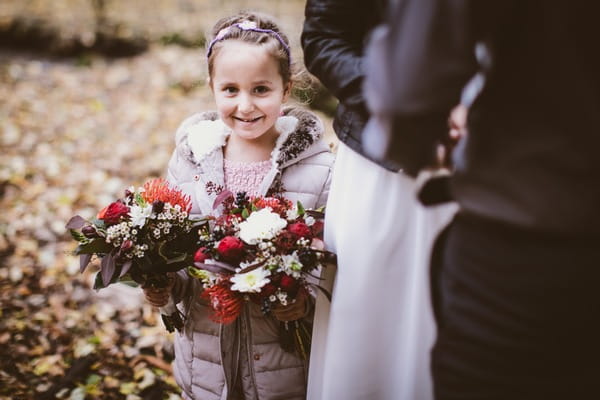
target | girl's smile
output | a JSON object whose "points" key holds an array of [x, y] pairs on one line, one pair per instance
{"points": [[249, 91]]}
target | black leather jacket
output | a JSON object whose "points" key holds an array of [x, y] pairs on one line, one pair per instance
{"points": [[333, 39]]}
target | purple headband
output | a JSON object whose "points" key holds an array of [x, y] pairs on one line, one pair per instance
{"points": [[248, 26]]}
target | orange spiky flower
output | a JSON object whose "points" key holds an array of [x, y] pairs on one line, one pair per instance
{"points": [[278, 205], [227, 305], [160, 190]]}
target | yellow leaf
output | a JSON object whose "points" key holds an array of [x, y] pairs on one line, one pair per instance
{"points": [[127, 388]]}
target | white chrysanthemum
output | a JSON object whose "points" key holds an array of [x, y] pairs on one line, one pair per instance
{"points": [[260, 225], [250, 282], [291, 264], [139, 214]]}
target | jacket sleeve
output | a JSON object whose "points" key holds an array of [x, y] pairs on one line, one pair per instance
{"points": [[182, 287], [417, 64], [332, 40]]}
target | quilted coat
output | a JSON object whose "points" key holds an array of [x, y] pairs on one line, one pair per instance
{"points": [[242, 360]]}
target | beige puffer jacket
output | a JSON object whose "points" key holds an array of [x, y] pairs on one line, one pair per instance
{"points": [[208, 356]]}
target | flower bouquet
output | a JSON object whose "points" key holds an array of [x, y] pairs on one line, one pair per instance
{"points": [[142, 238], [261, 249]]}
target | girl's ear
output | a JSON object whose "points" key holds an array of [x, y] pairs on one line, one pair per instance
{"points": [[209, 83], [287, 90]]}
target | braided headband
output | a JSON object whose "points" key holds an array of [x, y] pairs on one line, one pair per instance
{"points": [[248, 26]]}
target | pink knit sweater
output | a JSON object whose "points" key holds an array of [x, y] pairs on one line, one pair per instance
{"points": [[245, 176]]}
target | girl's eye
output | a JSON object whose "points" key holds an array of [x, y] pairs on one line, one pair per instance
{"points": [[230, 90], [261, 89]]}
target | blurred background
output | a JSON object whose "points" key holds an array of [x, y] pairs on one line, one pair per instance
{"points": [[91, 92]]}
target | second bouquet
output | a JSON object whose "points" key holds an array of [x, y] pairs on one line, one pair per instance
{"points": [[263, 249]]}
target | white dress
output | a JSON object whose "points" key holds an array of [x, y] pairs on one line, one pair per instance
{"points": [[381, 327]]}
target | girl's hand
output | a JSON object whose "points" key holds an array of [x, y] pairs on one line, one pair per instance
{"points": [[159, 297], [294, 311]]}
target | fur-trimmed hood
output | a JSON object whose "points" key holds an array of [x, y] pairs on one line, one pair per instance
{"points": [[204, 133], [197, 163]]}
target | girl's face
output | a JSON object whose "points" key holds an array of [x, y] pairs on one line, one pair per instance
{"points": [[248, 90]]}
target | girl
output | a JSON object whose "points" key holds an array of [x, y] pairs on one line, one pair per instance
{"points": [[250, 144]]}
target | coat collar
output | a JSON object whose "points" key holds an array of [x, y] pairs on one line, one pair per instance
{"points": [[298, 131]]}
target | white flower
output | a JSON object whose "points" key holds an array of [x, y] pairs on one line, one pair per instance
{"points": [[292, 213], [251, 281], [282, 297], [140, 214], [291, 265], [207, 278], [308, 220], [260, 225]]}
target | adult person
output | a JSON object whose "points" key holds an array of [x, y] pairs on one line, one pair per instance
{"points": [[517, 293], [381, 328]]}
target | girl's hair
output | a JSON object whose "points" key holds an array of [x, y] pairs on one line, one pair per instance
{"points": [[227, 28]]}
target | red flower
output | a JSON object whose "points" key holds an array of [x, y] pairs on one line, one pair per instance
{"points": [[231, 249], [160, 190], [112, 213], [286, 240], [289, 284], [268, 290], [278, 205], [317, 229], [200, 255], [227, 305], [300, 229]]}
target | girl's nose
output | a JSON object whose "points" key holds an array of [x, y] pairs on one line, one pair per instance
{"points": [[245, 104]]}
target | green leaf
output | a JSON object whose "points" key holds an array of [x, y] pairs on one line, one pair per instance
{"points": [[300, 209], [98, 284], [78, 236], [140, 200], [127, 280], [98, 223], [95, 246], [94, 340], [245, 214], [181, 257], [93, 379]]}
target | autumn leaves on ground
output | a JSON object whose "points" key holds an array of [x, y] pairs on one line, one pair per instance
{"points": [[77, 127]]}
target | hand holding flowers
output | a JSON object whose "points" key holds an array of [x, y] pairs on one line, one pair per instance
{"points": [[293, 311]]}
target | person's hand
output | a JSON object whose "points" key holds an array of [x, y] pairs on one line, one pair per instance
{"points": [[457, 122], [159, 297], [293, 311], [457, 128]]}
